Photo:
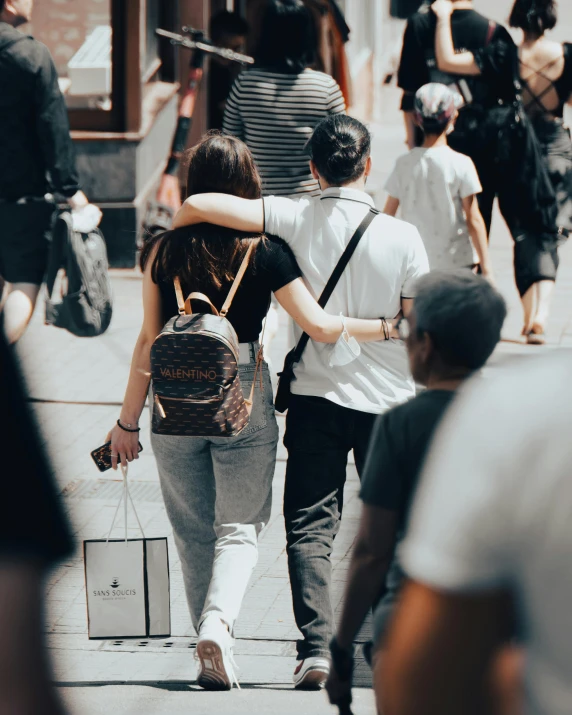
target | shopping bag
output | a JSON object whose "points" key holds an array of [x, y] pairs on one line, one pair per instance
{"points": [[127, 583]]}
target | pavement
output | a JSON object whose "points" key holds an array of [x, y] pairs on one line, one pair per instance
{"points": [[76, 386]]}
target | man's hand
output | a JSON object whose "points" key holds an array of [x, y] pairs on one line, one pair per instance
{"points": [[443, 9], [86, 216], [339, 690], [339, 683], [78, 201]]}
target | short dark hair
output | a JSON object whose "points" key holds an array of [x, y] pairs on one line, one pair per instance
{"points": [[462, 313], [340, 147], [227, 23], [288, 38], [2, 3], [534, 15]]}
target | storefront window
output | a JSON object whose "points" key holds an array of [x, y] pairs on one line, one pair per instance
{"points": [[95, 45], [79, 35]]}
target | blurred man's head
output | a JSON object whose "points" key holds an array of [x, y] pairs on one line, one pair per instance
{"points": [[455, 325], [16, 12], [229, 29]]}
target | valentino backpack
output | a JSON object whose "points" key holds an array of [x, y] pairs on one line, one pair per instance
{"points": [[194, 370], [85, 304]]}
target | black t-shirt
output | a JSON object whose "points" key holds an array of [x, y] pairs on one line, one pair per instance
{"points": [[498, 62], [221, 79], [32, 522], [272, 267], [398, 448], [418, 66]]}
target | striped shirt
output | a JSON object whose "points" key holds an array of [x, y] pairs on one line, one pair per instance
{"points": [[275, 114]]}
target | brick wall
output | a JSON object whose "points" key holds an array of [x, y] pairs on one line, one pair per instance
{"points": [[63, 25]]}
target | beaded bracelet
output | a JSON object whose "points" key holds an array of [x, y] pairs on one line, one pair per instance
{"points": [[128, 429]]}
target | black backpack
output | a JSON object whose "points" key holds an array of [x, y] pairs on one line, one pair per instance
{"points": [[86, 301]]}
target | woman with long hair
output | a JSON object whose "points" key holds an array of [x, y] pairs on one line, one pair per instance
{"points": [[217, 490], [275, 106], [543, 68]]}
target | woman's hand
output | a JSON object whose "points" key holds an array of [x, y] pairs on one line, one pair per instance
{"points": [[443, 9], [486, 272], [124, 446]]}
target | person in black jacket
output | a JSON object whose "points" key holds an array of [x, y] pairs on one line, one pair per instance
{"points": [[37, 159]]}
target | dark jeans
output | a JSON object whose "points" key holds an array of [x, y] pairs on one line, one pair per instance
{"points": [[319, 437]]}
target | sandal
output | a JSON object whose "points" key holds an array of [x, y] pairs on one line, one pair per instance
{"points": [[536, 335]]}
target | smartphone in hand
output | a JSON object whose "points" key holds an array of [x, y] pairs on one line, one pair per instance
{"points": [[102, 456]]}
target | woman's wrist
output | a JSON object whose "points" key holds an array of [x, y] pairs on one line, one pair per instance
{"points": [[128, 427], [385, 329], [131, 421]]}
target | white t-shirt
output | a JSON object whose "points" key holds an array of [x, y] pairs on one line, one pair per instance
{"points": [[387, 261], [494, 509], [430, 185]]}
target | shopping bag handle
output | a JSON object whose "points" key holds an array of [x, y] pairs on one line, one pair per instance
{"points": [[125, 495]]}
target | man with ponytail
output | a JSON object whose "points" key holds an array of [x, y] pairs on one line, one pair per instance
{"points": [[334, 403]]}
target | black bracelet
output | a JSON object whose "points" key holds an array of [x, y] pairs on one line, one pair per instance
{"points": [[385, 328], [128, 429]]}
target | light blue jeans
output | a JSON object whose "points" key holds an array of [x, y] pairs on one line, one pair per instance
{"points": [[218, 496]]}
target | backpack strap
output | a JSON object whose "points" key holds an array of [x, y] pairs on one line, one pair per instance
{"points": [[258, 368], [185, 305], [180, 297], [58, 248], [237, 281], [203, 298]]}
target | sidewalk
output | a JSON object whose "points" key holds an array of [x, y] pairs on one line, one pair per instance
{"points": [[79, 385]]}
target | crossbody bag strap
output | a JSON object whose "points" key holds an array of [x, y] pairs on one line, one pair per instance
{"points": [[336, 275], [185, 306], [237, 281]]}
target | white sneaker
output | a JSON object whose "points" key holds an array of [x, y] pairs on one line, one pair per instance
{"points": [[214, 652], [311, 673]]}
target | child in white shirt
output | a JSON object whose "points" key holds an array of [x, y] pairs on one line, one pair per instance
{"points": [[435, 188]]}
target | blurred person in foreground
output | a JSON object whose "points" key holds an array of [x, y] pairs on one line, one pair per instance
{"points": [[33, 536], [451, 332], [37, 159], [489, 533]]}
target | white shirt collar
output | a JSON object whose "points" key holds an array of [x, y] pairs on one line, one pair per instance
{"points": [[343, 192]]}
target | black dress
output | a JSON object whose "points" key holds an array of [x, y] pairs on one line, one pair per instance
{"points": [[536, 256]]}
